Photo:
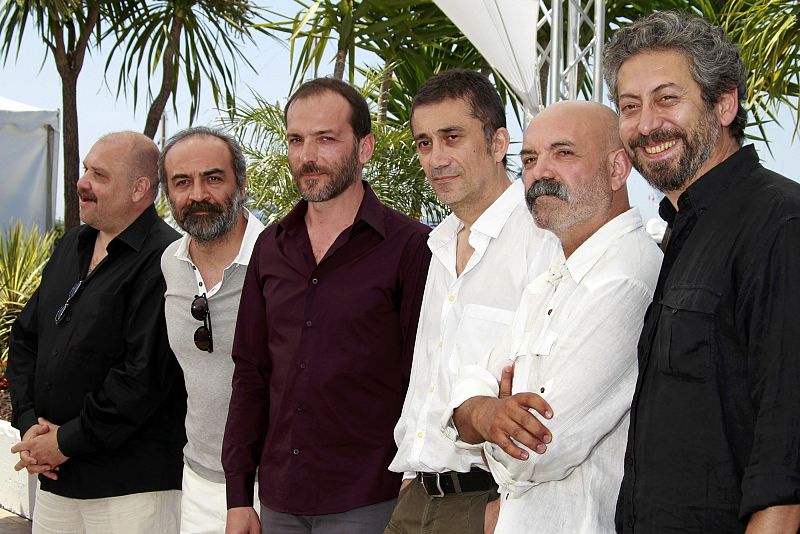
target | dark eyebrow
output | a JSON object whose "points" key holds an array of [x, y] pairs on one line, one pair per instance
{"points": [[209, 172], [450, 129], [526, 152], [655, 90]]}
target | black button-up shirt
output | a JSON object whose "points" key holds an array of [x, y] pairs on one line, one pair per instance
{"points": [[715, 421], [106, 373], [322, 357]]}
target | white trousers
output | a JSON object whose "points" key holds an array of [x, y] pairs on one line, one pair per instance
{"points": [[204, 507], [151, 512]]}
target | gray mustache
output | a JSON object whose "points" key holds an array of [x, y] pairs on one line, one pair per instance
{"points": [[546, 186]]}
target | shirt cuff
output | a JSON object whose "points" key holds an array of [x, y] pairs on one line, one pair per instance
{"points": [[239, 489], [473, 381], [495, 456], [25, 421], [71, 439], [766, 486]]}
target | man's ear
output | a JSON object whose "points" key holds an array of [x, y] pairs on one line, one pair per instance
{"points": [[141, 188], [500, 141], [727, 106], [365, 148], [619, 165]]}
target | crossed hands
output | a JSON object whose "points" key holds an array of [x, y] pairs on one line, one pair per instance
{"points": [[38, 450], [499, 420]]}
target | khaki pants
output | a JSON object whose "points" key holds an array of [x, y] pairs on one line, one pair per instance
{"points": [[457, 513]]}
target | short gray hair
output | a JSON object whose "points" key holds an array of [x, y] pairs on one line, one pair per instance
{"points": [[714, 60], [238, 161]]}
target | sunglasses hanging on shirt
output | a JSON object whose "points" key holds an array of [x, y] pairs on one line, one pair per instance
{"points": [[202, 336]]}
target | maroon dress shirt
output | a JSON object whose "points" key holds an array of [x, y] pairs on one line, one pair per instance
{"points": [[322, 357]]}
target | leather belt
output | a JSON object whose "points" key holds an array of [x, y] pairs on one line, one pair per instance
{"points": [[441, 484]]}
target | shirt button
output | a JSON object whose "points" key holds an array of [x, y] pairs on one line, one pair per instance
{"points": [[451, 298], [674, 311], [631, 521], [440, 344], [308, 323], [296, 452], [314, 281], [49, 386], [419, 434], [55, 353], [299, 409], [433, 386], [549, 311], [302, 366]]}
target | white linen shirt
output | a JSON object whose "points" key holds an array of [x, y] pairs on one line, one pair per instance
{"points": [[573, 341], [462, 318]]}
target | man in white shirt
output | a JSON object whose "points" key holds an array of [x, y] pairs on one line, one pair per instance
{"points": [[572, 344], [202, 171], [484, 254]]}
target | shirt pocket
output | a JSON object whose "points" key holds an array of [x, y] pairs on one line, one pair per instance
{"points": [[481, 328], [686, 342]]}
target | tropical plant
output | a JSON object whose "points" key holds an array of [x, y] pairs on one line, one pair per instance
{"points": [[68, 29], [393, 172], [199, 38], [768, 35], [22, 258]]}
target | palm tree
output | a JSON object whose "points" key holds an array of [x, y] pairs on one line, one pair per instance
{"points": [[768, 34], [199, 37], [68, 29]]}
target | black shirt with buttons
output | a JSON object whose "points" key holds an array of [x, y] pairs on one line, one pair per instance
{"points": [[105, 372], [715, 419]]}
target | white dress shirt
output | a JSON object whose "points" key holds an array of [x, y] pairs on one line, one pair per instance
{"points": [[462, 318], [573, 341]]}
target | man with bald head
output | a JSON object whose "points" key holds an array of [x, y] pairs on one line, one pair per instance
{"points": [[570, 355], [96, 392]]}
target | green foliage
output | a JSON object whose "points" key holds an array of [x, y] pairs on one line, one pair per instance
{"points": [[22, 258], [393, 172], [768, 34], [201, 37]]}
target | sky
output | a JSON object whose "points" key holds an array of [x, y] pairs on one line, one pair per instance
{"points": [[31, 81]]}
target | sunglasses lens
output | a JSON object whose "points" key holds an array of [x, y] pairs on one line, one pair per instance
{"points": [[202, 339], [199, 308]]}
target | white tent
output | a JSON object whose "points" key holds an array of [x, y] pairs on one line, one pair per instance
{"points": [[504, 32], [29, 157]]}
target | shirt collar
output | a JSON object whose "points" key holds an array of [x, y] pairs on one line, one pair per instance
{"points": [[370, 212], [585, 256], [490, 222], [133, 236], [251, 232], [710, 187]]}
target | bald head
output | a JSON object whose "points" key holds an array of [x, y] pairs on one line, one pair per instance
{"points": [[139, 156], [575, 170]]}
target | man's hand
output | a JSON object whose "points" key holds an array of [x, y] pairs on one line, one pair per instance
{"points": [[490, 516], [40, 448], [242, 520], [26, 460], [405, 483], [498, 420]]}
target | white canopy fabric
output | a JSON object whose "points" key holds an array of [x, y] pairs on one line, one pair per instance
{"points": [[504, 32], [29, 157]]}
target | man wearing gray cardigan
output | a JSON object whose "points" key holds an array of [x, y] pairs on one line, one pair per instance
{"points": [[202, 171]]}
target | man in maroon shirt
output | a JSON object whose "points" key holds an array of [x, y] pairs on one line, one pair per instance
{"points": [[324, 336]]}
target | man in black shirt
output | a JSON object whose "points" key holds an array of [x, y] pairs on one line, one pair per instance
{"points": [[97, 394], [714, 439]]}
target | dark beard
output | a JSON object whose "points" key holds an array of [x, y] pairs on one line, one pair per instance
{"points": [[698, 143], [220, 219], [342, 175]]}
